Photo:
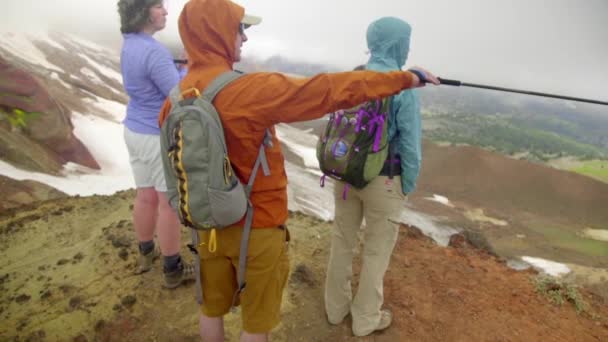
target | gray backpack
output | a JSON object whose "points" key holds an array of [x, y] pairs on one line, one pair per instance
{"points": [[201, 184]]}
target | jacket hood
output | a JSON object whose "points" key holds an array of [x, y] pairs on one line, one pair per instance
{"points": [[388, 40], [208, 29]]}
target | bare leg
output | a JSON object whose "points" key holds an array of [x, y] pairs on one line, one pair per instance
{"points": [[211, 328], [145, 210], [169, 229], [247, 337]]}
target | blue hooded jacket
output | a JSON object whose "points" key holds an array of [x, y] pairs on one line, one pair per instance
{"points": [[388, 40]]}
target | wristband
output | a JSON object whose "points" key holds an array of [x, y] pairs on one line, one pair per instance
{"points": [[420, 75]]}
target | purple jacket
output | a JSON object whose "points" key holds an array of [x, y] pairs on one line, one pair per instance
{"points": [[148, 75]]}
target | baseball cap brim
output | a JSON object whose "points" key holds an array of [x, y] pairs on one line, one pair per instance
{"points": [[249, 20]]}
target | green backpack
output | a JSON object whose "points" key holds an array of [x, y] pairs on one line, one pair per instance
{"points": [[201, 184], [354, 146]]}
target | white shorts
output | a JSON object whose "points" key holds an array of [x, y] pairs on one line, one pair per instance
{"points": [[145, 159]]}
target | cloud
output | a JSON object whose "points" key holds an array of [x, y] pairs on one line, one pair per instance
{"points": [[543, 45]]}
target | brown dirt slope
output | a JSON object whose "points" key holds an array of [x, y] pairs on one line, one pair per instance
{"points": [[66, 273], [511, 187], [18, 193]]}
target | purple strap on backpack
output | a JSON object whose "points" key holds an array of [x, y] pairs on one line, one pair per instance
{"points": [[338, 118], [346, 187], [362, 112], [378, 122]]}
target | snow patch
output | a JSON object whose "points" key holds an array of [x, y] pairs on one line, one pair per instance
{"points": [[596, 234], [91, 75], [21, 46], [303, 143], [115, 109], [478, 215], [518, 265], [105, 141], [306, 195], [551, 268], [76, 180], [427, 224], [103, 69], [55, 76], [44, 37], [440, 199]]}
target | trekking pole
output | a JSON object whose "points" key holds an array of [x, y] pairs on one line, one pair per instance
{"points": [[527, 92]]}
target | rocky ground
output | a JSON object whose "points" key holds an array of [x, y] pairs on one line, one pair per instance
{"points": [[67, 274]]}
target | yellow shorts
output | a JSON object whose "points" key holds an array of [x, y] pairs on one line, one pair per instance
{"points": [[266, 275]]}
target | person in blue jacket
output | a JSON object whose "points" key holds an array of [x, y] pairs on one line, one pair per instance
{"points": [[380, 202], [149, 74]]}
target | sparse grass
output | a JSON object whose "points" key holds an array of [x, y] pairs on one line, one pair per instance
{"points": [[559, 292], [597, 169], [570, 240], [18, 118]]}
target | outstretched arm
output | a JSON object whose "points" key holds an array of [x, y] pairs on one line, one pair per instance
{"points": [[270, 98]]}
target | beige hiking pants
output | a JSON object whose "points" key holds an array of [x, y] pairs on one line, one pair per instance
{"points": [[380, 203]]}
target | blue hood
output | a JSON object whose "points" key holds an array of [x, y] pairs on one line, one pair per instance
{"points": [[388, 40]]}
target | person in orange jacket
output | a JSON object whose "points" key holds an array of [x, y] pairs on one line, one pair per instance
{"points": [[213, 33]]}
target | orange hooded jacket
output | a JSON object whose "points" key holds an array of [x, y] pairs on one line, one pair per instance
{"points": [[257, 101]]}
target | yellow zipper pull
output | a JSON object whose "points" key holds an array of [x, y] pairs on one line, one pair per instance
{"points": [[227, 170], [213, 241]]}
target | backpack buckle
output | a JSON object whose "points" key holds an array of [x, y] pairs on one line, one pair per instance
{"points": [[183, 94]]}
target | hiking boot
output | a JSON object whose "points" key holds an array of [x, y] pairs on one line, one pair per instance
{"points": [[183, 273], [386, 318], [336, 322], [144, 264]]}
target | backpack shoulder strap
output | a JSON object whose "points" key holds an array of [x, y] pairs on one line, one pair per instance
{"points": [[212, 89], [262, 162], [219, 83], [174, 95]]}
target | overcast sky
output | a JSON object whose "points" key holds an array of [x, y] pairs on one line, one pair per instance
{"points": [[558, 46]]}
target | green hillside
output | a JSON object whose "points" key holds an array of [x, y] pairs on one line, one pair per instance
{"points": [[511, 135]]}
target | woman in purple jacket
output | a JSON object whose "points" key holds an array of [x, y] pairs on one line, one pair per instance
{"points": [[149, 74]]}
